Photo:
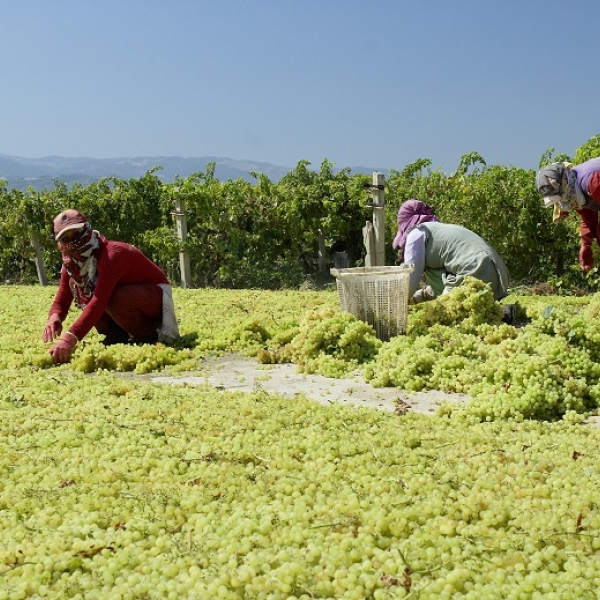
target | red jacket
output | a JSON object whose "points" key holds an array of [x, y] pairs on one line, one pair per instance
{"points": [[118, 264], [590, 228]]}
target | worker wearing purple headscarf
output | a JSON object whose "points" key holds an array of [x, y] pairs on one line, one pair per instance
{"points": [[412, 213], [444, 254]]}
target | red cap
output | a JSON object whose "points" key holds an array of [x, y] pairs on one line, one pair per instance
{"points": [[68, 219]]}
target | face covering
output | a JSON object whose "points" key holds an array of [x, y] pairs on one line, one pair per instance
{"points": [[80, 259], [570, 195]]}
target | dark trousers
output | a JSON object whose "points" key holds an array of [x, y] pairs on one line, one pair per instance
{"points": [[133, 312]]}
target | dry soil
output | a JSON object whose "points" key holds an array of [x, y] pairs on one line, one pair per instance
{"points": [[233, 372]]}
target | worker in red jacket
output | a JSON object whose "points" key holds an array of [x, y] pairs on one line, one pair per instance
{"points": [[566, 187], [121, 292]]}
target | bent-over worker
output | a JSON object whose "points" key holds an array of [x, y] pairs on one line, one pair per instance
{"points": [[121, 292], [566, 187], [444, 254]]}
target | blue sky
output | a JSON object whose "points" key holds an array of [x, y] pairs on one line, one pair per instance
{"points": [[373, 83]]}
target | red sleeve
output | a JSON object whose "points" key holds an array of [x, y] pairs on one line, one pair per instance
{"points": [[594, 186], [118, 264], [588, 232], [589, 225], [64, 297]]}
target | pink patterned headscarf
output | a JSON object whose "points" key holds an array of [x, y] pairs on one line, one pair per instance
{"points": [[412, 213], [80, 259]]}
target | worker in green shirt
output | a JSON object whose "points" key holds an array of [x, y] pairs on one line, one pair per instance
{"points": [[443, 254]]}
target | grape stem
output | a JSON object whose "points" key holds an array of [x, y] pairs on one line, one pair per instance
{"points": [[12, 567]]}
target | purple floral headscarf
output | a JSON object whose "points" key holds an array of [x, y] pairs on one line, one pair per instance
{"points": [[412, 213]]}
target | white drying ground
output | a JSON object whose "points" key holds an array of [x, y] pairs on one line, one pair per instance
{"points": [[237, 373]]}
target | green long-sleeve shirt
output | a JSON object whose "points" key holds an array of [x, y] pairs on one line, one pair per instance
{"points": [[444, 254]]}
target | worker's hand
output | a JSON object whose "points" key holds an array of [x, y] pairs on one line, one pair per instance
{"points": [[586, 258], [559, 215], [53, 328], [61, 351], [422, 295]]}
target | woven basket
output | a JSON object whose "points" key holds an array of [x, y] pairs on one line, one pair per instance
{"points": [[376, 295]]}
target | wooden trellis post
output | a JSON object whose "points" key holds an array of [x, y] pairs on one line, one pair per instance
{"points": [[39, 259], [184, 255], [322, 252], [374, 233]]}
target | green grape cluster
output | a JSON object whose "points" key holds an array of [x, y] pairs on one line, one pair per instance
{"points": [[471, 304], [446, 358], [543, 369], [577, 323], [279, 348], [117, 489], [250, 332], [140, 359], [535, 375], [333, 343]]}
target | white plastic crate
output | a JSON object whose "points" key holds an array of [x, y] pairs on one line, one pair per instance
{"points": [[376, 295]]}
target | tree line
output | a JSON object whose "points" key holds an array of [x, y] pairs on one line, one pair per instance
{"points": [[265, 234]]}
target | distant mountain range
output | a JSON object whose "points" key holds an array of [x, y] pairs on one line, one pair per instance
{"points": [[40, 173]]}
